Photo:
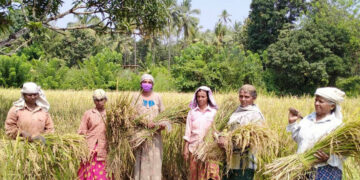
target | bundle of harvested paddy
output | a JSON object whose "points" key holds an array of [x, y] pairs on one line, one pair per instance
{"points": [[175, 167], [173, 115], [58, 158], [344, 142], [120, 124], [259, 139], [209, 150], [125, 131], [255, 138], [228, 106]]}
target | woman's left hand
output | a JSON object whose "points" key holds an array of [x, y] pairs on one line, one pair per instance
{"points": [[321, 156]]}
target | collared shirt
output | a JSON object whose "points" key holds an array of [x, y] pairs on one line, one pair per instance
{"points": [[197, 124], [309, 131], [93, 127], [35, 122]]}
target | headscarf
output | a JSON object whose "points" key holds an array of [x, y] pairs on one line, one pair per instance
{"points": [[334, 95], [193, 104], [99, 94], [147, 76], [32, 88]]}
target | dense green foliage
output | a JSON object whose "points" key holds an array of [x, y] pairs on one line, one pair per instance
{"points": [[351, 85], [285, 47], [226, 69], [312, 56], [267, 18], [14, 71]]}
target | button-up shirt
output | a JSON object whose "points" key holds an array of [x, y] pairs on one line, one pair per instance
{"points": [[35, 122], [309, 131], [93, 127], [197, 124]]}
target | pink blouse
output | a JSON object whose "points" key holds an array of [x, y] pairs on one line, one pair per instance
{"points": [[197, 124], [93, 127]]}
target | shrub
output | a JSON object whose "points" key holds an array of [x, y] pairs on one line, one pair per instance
{"points": [[14, 71]]}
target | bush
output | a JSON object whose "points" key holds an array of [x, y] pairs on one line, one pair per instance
{"points": [[14, 71], [49, 74], [128, 80], [224, 69], [163, 79], [98, 71], [351, 85]]}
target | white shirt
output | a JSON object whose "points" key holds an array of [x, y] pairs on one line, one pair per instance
{"points": [[309, 131]]}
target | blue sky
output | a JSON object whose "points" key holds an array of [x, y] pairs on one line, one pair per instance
{"points": [[210, 11]]}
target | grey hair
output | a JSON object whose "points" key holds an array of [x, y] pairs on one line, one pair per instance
{"points": [[250, 89]]}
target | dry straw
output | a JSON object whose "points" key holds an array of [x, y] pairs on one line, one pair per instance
{"points": [[255, 138], [209, 150], [344, 142], [126, 132], [58, 158], [120, 125], [173, 115]]}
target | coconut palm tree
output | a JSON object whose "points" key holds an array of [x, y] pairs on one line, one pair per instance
{"points": [[84, 20], [173, 16], [187, 23], [224, 17]]}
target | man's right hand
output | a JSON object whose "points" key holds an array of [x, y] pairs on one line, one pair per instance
{"points": [[293, 115]]}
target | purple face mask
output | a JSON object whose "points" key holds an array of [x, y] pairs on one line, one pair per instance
{"points": [[147, 87]]}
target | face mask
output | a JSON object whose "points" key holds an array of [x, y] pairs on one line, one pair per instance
{"points": [[146, 87]]}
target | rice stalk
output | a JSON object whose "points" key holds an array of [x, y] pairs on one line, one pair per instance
{"points": [[255, 138], [173, 115], [344, 142], [174, 165], [120, 124], [59, 158], [126, 132], [209, 150]]}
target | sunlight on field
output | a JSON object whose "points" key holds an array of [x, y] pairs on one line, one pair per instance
{"points": [[67, 108]]}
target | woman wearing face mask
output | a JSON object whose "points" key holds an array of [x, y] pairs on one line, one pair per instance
{"points": [[246, 113], [198, 122], [149, 156]]}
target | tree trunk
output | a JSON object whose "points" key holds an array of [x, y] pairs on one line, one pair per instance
{"points": [[135, 51]]}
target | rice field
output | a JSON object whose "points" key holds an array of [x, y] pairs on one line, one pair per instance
{"points": [[67, 108]]}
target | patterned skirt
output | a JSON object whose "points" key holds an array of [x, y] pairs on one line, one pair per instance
{"points": [[93, 170], [328, 173], [203, 171], [236, 174]]}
